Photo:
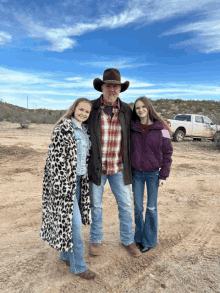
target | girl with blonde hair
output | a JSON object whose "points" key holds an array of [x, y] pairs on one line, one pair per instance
{"points": [[65, 198]]}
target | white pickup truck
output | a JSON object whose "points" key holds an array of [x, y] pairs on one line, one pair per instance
{"points": [[192, 125]]}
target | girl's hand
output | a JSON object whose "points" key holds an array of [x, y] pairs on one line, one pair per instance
{"points": [[161, 182]]}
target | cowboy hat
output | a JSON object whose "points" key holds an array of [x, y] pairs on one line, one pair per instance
{"points": [[110, 75]]}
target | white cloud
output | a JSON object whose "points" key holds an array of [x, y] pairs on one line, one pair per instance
{"points": [[83, 83], [77, 30], [48, 92], [165, 9], [215, 91], [136, 84], [11, 76], [62, 44], [142, 12], [126, 63], [122, 19], [4, 37], [206, 34], [74, 78], [78, 84], [61, 37], [62, 101]]}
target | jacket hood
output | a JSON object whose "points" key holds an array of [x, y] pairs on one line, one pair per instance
{"points": [[135, 125]]}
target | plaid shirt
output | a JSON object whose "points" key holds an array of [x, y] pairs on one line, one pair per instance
{"points": [[111, 140]]}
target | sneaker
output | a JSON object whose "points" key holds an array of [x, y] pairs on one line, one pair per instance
{"points": [[95, 249], [133, 250]]}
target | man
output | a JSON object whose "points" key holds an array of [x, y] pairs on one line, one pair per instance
{"points": [[109, 126]]}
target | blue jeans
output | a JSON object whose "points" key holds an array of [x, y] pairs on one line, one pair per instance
{"points": [[123, 198], [146, 231], [76, 258]]}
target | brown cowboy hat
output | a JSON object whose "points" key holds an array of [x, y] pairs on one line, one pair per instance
{"points": [[110, 75]]}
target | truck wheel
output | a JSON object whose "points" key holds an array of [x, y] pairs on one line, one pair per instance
{"points": [[178, 135], [216, 139]]}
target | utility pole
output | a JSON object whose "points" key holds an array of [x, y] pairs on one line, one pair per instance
{"points": [[27, 102]]}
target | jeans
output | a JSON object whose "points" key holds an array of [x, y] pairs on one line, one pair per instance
{"points": [[123, 198], [146, 231], [76, 258]]}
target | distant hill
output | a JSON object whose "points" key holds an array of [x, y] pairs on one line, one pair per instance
{"points": [[14, 113], [167, 108]]}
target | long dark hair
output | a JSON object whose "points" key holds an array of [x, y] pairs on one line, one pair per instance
{"points": [[70, 111], [153, 115]]}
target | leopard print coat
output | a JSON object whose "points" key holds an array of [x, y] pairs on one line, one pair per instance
{"points": [[59, 188]]}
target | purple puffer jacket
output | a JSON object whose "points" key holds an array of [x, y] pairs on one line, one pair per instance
{"points": [[151, 151]]}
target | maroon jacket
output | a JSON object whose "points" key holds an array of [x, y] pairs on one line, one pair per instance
{"points": [[151, 151]]}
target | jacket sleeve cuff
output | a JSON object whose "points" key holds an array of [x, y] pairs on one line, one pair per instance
{"points": [[162, 177]]}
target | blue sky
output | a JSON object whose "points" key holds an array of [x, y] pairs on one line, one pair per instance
{"points": [[50, 51]]}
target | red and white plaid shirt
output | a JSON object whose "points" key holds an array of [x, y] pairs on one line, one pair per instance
{"points": [[111, 140]]}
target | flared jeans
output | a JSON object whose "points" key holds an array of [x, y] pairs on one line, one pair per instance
{"points": [[76, 258], [146, 230]]}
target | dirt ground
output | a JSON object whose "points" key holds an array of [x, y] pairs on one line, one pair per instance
{"points": [[186, 259]]}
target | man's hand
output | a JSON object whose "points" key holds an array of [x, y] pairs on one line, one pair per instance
{"points": [[161, 182]]}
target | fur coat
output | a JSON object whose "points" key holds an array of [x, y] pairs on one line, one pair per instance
{"points": [[59, 188]]}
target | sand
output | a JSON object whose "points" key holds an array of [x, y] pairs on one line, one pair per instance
{"points": [[186, 259]]}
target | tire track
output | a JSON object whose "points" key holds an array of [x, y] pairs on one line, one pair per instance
{"points": [[132, 270]]}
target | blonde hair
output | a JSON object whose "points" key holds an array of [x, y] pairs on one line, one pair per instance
{"points": [[153, 115], [70, 111]]}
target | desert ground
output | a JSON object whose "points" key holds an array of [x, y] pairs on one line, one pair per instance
{"points": [[186, 259]]}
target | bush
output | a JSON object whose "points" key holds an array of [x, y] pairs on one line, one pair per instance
{"points": [[24, 125]]}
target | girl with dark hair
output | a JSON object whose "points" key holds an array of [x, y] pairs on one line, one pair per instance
{"points": [[65, 198], [151, 152]]}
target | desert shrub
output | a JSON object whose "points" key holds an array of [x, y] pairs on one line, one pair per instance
{"points": [[24, 120], [24, 124], [178, 101]]}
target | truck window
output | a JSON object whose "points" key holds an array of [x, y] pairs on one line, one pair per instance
{"points": [[183, 117], [198, 119], [206, 120]]}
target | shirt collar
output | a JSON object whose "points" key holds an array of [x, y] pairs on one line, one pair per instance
{"points": [[102, 103], [77, 125]]}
